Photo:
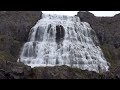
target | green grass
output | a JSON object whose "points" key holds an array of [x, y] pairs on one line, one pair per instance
{"points": [[109, 55], [5, 56], [2, 37]]}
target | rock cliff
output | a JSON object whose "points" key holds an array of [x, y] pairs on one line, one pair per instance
{"points": [[108, 32], [14, 31]]}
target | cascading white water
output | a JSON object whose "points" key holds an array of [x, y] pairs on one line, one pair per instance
{"points": [[63, 40]]}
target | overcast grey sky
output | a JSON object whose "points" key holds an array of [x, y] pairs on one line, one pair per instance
{"points": [[72, 13]]}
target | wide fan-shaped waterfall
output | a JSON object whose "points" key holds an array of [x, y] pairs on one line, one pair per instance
{"points": [[63, 40]]}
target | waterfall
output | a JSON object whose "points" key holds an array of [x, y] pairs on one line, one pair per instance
{"points": [[58, 40]]}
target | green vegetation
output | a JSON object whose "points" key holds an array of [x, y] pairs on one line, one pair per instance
{"points": [[36, 74], [5, 56], [82, 74], [109, 55], [119, 51], [2, 37]]}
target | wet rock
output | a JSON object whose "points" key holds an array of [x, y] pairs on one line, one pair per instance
{"points": [[14, 70], [60, 33]]}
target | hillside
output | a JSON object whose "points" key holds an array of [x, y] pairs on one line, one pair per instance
{"points": [[108, 32]]}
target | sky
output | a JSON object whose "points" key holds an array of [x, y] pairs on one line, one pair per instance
{"points": [[72, 13]]}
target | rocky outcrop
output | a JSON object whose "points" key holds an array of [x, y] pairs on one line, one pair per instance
{"points": [[14, 70], [62, 72], [107, 28], [108, 32], [14, 30]]}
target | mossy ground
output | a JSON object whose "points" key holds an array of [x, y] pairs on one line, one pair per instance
{"points": [[109, 55], [1, 38], [5, 55]]}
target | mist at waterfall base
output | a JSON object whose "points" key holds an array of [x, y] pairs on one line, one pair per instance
{"points": [[58, 40]]}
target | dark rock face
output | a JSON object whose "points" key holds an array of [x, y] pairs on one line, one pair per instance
{"points": [[108, 33], [60, 33], [107, 28], [62, 72], [14, 30], [14, 70], [65, 72]]}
